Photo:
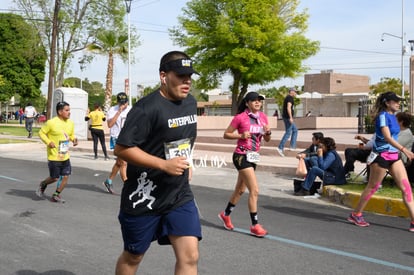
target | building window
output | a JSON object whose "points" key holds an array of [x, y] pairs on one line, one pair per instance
{"points": [[338, 81]]}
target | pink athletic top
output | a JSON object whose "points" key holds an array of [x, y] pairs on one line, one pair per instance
{"points": [[253, 123]]}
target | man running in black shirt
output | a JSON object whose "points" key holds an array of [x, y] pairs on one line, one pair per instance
{"points": [[156, 141]]}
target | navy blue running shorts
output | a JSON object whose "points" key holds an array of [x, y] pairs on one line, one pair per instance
{"points": [[139, 231], [59, 168]]}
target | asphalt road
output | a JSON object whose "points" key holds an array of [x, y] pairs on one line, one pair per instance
{"points": [[82, 236]]}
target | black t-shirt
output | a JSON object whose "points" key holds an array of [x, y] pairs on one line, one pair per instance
{"points": [[288, 99], [152, 122]]}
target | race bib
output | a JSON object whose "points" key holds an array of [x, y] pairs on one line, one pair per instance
{"points": [[63, 147], [372, 156], [253, 157], [179, 148]]}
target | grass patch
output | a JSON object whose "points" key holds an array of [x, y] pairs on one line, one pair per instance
{"points": [[388, 188], [10, 140], [17, 131]]}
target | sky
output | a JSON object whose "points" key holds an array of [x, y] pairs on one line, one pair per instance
{"points": [[349, 32]]}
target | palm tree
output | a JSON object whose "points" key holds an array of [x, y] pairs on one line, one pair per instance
{"points": [[110, 43]]}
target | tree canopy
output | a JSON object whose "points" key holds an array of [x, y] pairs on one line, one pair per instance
{"points": [[110, 44], [22, 58], [78, 23], [256, 42]]}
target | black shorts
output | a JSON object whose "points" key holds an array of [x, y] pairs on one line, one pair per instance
{"points": [[59, 168], [386, 162], [240, 162]]}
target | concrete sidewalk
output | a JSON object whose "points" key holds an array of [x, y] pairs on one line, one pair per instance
{"points": [[216, 152]]}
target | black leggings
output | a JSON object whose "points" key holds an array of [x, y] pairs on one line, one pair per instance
{"points": [[98, 134]]}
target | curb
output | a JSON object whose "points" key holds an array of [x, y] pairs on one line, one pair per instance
{"points": [[377, 204]]}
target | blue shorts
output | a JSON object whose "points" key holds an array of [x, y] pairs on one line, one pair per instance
{"points": [[112, 143], [139, 231], [59, 168]]}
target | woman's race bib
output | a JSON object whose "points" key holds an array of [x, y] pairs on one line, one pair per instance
{"points": [[253, 157]]}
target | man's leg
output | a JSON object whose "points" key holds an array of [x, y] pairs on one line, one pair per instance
{"points": [[294, 136], [186, 253], [288, 132], [349, 160], [128, 263]]}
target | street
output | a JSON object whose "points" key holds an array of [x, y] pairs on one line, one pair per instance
{"points": [[82, 236]]}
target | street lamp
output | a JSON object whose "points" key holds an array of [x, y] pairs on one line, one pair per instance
{"points": [[411, 44], [128, 9], [403, 49]]}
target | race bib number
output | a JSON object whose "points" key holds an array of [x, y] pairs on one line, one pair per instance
{"points": [[63, 147], [372, 156], [253, 157], [179, 148]]}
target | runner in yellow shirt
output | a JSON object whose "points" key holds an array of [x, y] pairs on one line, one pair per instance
{"points": [[56, 134]]}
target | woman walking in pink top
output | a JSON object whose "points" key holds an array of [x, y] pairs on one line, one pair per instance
{"points": [[249, 126]]}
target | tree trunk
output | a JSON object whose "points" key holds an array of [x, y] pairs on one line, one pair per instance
{"points": [[235, 93], [109, 79]]}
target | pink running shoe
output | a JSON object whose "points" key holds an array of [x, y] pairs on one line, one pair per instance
{"points": [[258, 231], [226, 221], [357, 220]]}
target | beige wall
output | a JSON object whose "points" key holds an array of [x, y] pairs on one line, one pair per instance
{"points": [[221, 122], [334, 83]]}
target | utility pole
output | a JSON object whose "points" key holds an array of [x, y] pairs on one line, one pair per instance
{"points": [[51, 84]]}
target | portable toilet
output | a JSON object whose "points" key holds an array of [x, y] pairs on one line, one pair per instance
{"points": [[78, 101]]}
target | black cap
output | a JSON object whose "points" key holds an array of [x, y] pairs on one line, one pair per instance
{"points": [[293, 89], [122, 98], [391, 96], [181, 66], [253, 96]]}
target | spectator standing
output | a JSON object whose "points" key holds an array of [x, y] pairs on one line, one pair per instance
{"points": [[56, 134], [116, 119], [291, 131], [97, 118], [157, 202], [29, 114], [249, 127], [21, 115], [329, 167], [385, 157]]}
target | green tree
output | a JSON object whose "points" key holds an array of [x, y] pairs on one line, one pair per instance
{"points": [[110, 44], [256, 42], [78, 24], [22, 58], [95, 90], [387, 84]]}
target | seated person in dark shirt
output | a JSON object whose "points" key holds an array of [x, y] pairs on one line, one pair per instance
{"points": [[358, 154], [310, 154]]}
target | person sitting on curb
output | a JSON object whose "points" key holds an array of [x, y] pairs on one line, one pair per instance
{"points": [[405, 137], [310, 155], [358, 154], [329, 168]]}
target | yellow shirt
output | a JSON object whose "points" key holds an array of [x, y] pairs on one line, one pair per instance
{"points": [[60, 132], [97, 117]]}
